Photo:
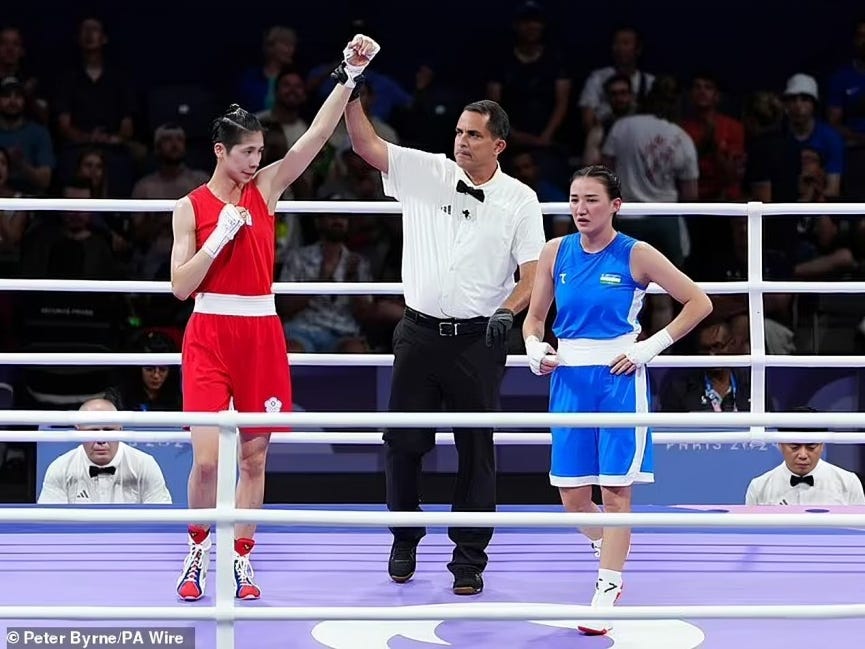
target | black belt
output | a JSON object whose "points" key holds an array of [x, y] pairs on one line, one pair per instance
{"points": [[450, 326]]}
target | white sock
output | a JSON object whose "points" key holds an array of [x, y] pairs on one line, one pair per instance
{"points": [[610, 576]]}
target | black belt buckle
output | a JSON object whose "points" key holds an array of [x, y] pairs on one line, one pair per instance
{"points": [[448, 328]]}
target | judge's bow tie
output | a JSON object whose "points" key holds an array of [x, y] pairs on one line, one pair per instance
{"points": [[97, 470], [463, 188], [795, 479]]}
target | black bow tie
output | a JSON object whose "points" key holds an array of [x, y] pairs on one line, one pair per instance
{"points": [[96, 470], [795, 479], [462, 188]]}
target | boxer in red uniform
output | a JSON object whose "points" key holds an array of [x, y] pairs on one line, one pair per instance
{"points": [[234, 346]]}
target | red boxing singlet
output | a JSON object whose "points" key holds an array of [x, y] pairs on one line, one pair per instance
{"points": [[245, 265], [234, 344]]}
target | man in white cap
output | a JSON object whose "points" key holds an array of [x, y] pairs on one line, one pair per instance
{"points": [[800, 101], [104, 472]]}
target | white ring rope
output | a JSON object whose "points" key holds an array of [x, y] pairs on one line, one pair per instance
{"points": [[225, 514], [293, 288], [386, 360], [481, 611], [355, 438], [394, 208], [384, 519], [395, 288], [375, 420]]}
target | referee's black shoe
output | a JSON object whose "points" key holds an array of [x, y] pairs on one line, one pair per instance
{"points": [[467, 581], [402, 562]]}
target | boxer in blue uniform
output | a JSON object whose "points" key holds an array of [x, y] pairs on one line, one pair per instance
{"points": [[598, 278]]}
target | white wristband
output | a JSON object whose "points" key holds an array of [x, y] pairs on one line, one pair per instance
{"points": [[231, 219], [351, 71], [217, 240], [645, 350], [660, 341], [537, 351]]}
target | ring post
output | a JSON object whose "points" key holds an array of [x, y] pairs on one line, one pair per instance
{"points": [[756, 323], [225, 502]]}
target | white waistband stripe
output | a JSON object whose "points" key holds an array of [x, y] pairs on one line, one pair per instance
{"points": [[583, 351], [242, 305]]}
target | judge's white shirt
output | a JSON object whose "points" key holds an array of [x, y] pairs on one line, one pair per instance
{"points": [[137, 479], [832, 486]]}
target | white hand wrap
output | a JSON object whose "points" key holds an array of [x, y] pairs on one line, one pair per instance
{"points": [[645, 350], [230, 221], [354, 71], [537, 351]]}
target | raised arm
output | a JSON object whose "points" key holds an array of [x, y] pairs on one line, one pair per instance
{"points": [[364, 140], [274, 179]]}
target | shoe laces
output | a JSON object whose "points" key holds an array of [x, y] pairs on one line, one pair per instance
{"points": [[194, 563], [243, 571]]}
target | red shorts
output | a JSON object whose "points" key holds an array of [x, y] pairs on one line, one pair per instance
{"points": [[243, 358]]}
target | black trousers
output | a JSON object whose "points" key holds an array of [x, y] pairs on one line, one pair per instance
{"points": [[464, 375]]}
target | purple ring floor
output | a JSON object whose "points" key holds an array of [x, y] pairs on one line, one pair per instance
{"points": [[327, 568]]}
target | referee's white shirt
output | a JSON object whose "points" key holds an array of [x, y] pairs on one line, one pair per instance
{"points": [[832, 486], [137, 479], [460, 254]]}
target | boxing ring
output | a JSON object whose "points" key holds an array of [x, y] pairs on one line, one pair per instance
{"points": [[786, 575]]}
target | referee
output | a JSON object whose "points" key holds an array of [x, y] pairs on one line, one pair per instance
{"points": [[467, 228]]}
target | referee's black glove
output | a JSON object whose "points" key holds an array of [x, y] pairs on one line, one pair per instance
{"points": [[498, 327], [341, 76]]}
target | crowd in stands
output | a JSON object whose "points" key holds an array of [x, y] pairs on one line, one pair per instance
{"points": [[80, 135]]}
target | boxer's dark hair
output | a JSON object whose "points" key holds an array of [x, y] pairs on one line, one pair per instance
{"points": [[604, 175], [230, 127]]}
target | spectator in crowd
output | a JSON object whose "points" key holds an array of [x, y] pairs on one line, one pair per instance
{"points": [[28, 143], [620, 97], [808, 131], [656, 161], [289, 103], [150, 233], [627, 46], [715, 389], [149, 387], [531, 78], [326, 323], [845, 103], [259, 85], [12, 64]]}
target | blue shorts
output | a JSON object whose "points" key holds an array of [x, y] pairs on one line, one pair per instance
{"points": [[613, 457]]}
